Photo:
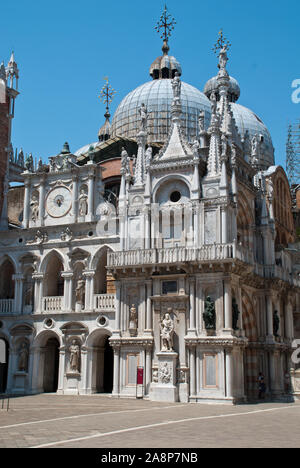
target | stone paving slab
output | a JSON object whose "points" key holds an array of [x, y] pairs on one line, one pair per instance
{"points": [[101, 421]]}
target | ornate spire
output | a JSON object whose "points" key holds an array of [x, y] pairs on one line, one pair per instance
{"points": [[165, 27], [12, 72], [106, 95]]}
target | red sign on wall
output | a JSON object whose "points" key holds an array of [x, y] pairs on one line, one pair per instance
{"points": [[140, 376]]}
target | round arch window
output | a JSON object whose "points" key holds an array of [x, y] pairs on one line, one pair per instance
{"points": [[175, 196]]}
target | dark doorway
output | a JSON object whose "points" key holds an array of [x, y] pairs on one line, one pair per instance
{"points": [[108, 367], [51, 365], [4, 356]]}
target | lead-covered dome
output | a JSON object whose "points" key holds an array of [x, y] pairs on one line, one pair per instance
{"points": [[157, 95]]}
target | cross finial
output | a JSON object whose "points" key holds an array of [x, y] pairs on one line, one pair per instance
{"points": [[221, 43], [107, 94], [166, 23]]}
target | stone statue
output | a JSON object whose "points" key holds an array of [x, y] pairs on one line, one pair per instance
{"points": [[246, 143], [235, 314], [83, 204], [224, 144], [270, 190], [144, 117], [148, 156], [125, 161], [223, 59], [23, 358], [276, 322], [29, 163], [213, 101], [34, 207], [40, 165], [201, 121], [209, 314], [21, 158], [132, 320], [74, 356], [176, 85], [167, 332], [80, 292], [254, 146], [195, 148]]}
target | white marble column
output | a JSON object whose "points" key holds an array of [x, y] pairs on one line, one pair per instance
{"points": [[18, 300], [270, 317], [84, 371], [148, 370], [227, 305], [192, 371], [89, 289], [61, 370], [68, 290], [75, 198], [148, 329], [116, 383], [38, 292], [26, 205], [90, 214], [192, 328], [229, 374], [116, 331], [224, 225]]}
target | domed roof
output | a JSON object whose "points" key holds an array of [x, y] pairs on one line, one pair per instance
{"points": [[165, 66], [233, 90], [157, 95], [246, 119]]}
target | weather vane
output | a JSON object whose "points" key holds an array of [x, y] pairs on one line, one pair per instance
{"points": [[221, 43], [107, 93], [166, 23]]}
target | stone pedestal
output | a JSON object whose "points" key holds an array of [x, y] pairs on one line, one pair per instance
{"points": [[73, 379], [165, 389], [20, 383]]}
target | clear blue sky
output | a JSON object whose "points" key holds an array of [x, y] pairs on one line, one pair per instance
{"points": [[65, 48]]}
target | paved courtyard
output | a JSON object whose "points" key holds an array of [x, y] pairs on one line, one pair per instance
{"points": [[50, 420]]}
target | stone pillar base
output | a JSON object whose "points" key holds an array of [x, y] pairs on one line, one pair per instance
{"points": [[165, 389], [73, 379]]}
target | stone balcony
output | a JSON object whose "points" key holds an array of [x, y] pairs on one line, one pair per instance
{"points": [[173, 255], [55, 304], [205, 254], [6, 306], [52, 304], [104, 302]]}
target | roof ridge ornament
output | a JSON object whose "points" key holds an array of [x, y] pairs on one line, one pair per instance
{"points": [[166, 24], [106, 96]]}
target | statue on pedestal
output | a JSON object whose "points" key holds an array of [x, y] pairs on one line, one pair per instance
{"points": [[74, 356], [209, 315], [133, 320], [34, 207], [176, 85], [167, 332], [144, 117], [23, 358], [80, 292], [83, 205]]}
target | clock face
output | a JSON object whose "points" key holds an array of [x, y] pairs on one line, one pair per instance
{"points": [[59, 202]]}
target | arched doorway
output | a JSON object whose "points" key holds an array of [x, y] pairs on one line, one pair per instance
{"points": [[4, 356], [101, 354], [108, 367], [51, 365]]}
